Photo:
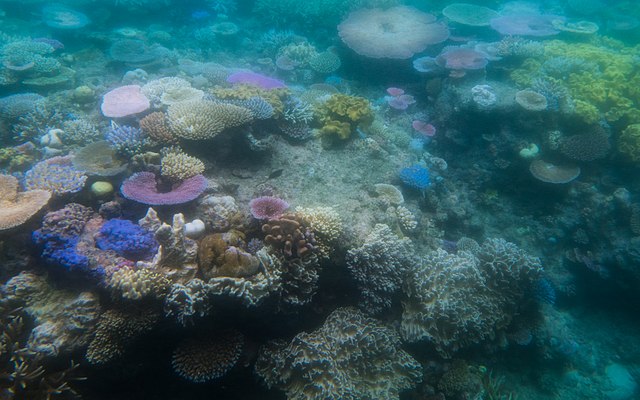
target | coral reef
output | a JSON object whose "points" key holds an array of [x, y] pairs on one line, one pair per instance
{"points": [[349, 357], [341, 115], [456, 300], [379, 267], [56, 175]]}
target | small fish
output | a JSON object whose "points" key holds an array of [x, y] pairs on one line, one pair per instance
{"points": [[273, 175]]}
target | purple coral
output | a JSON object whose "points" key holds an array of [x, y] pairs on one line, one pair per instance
{"points": [[255, 79], [267, 207], [143, 188], [461, 58]]}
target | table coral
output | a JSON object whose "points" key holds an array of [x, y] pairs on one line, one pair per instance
{"points": [[203, 119], [17, 207], [349, 357]]}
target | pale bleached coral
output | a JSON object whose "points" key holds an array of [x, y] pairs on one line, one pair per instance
{"points": [[204, 119], [177, 166]]}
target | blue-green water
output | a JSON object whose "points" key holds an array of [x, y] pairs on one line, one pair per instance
{"points": [[285, 199]]}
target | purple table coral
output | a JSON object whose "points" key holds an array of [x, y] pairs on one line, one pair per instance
{"points": [[255, 79], [143, 188]]}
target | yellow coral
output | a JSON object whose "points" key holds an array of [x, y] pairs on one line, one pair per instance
{"points": [[274, 97], [178, 166], [203, 119], [341, 114]]}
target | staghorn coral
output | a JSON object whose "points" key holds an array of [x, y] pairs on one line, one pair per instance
{"points": [[203, 119], [379, 267], [17, 207], [349, 357], [116, 329], [202, 359], [155, 126], [177, 166], [26, 374], [456, 300]]}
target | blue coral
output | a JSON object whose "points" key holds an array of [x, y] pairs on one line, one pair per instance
{"points": [[416, 177], [126, 239], [126, 139]]}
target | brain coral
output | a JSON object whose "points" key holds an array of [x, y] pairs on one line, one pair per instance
{"points": [[16, 208], [203, 119], [398, 32], [349, 357], [455, 300]]}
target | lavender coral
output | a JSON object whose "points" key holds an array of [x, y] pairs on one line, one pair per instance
{"points": [[56, 175]]}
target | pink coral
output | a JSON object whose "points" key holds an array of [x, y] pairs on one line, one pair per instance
{"points": [[124, 101], [461, 58], [143, 188], [398, 32], [424, 128], [267, 207]]}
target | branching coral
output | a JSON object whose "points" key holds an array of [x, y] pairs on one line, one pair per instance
{"points": [[203, 119], [350, 357], [456, 300], [379, 267], [177, 166]]}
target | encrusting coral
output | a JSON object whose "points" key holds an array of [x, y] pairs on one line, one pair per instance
{"points": [[349, 357]]}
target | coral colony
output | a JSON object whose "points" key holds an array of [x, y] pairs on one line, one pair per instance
{"points": [[314, 200]]}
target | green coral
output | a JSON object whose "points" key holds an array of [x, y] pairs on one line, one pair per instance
{"points": [[629, 142], [341, 114]]}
